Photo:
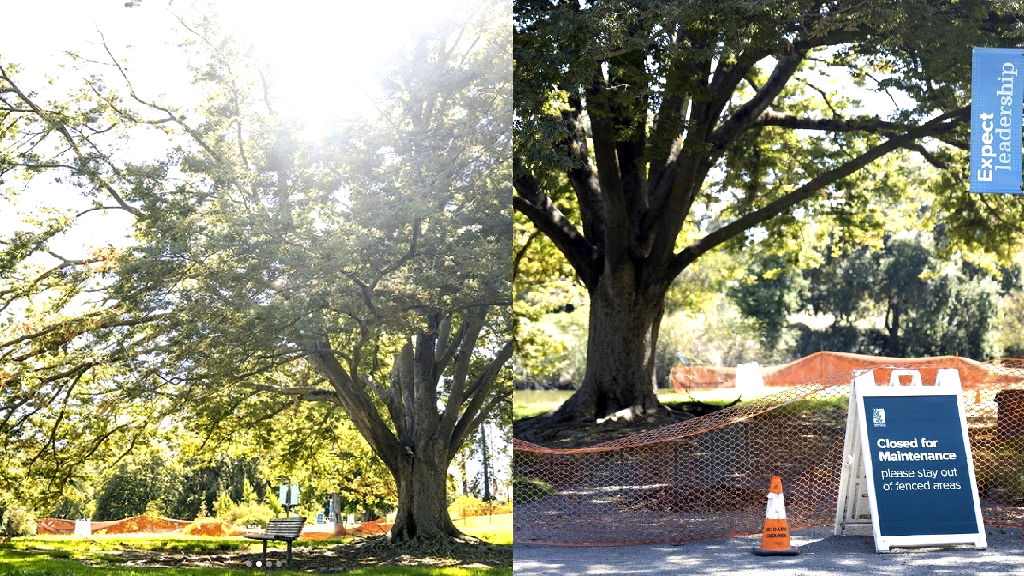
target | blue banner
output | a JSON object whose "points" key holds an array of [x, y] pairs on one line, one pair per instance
{"points": [[919, 466], [997, 96]]}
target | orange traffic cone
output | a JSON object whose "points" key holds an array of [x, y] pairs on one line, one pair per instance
{"points": [[775, 537]]}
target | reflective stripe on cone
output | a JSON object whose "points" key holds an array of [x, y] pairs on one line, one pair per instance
{"points": [[775, 536]]}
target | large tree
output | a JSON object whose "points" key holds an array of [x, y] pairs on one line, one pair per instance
{"points": [[368, 270], [648, 133]]}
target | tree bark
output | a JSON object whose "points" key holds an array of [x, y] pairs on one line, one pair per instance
{"points": [[422, 514], [486, 461], [892, 326], [426, 437], [623, 336]]}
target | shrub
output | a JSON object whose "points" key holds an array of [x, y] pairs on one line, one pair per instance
{"points": [[466, 506], [223, 504], [17, 520], [463, 502], [246, 514]]}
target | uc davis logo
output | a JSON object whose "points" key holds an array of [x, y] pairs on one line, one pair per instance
{"points": [[878, 417]]}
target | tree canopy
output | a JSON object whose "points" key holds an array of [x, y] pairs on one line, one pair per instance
{"points": [[648, 134], [367, 270]]}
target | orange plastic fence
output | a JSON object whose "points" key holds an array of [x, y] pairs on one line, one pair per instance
{"points": [[198, 527], [210, 527], [141, 523], [705, 477], [821, 366], [55, 526]]}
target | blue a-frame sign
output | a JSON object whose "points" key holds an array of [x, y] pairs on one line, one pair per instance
{"points": [[908, 452]]}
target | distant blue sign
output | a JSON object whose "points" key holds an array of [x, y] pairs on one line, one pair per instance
{"points": [[919, 466], [997, 95]]}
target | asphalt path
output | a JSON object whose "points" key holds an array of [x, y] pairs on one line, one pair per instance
{"points": [[821, 554]]}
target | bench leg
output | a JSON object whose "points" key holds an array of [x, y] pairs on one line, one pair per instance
{"points": [[264, 553], [289, 552]]}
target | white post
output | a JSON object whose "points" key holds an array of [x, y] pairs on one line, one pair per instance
{"points": [[83, 528], [749, 378]]}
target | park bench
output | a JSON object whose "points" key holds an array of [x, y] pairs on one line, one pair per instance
{"points": [[282, 529]]}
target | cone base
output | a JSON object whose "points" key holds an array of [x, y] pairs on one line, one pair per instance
{"points": [[786, 552]]}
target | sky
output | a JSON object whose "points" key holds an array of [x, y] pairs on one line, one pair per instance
{"points": [[323, 58], [322, 61]]}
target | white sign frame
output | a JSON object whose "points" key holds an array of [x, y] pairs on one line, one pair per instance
{"points": [[857, 471]]}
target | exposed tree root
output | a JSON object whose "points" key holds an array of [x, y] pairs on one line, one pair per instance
{"points": [[462, 547], [554, 430], [542, 428]]}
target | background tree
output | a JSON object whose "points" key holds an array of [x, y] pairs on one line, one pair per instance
{"points": [[367, 271], [915, 302], [1010, 335], [651, 133], [770, 298], [135, 488]]}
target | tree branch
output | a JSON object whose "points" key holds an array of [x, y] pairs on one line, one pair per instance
{"points": [[311, 393], [482, 388], [69, 324], [474, 324], [937, 125], [666, 133], [468, 423], [928, 156], [600, 110], [533, 203], [171, 116], [583, 174], [872, 124], [744, 116], [63, 130], [357, 403]]}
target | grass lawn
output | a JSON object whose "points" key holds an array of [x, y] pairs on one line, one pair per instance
{"points": [[527, 403], [37, 563], [496, 529], [109, 542], [74, 556]]}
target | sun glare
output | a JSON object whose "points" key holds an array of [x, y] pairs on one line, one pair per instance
{"points": [[325, 59], [322, 60]]}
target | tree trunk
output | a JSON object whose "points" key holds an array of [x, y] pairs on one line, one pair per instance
{"points": [[422, 497], [623, 335], [485, 459], [426, 434], [892, 326]]}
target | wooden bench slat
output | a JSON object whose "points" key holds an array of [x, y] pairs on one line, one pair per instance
{"points": [[281, 529]]}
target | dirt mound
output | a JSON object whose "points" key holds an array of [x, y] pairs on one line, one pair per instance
{"points": [[548, 430], [54, 526], [372, 528], [320, 535], [211, 527], [378, 527], [821, 365], [141, 523]]}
